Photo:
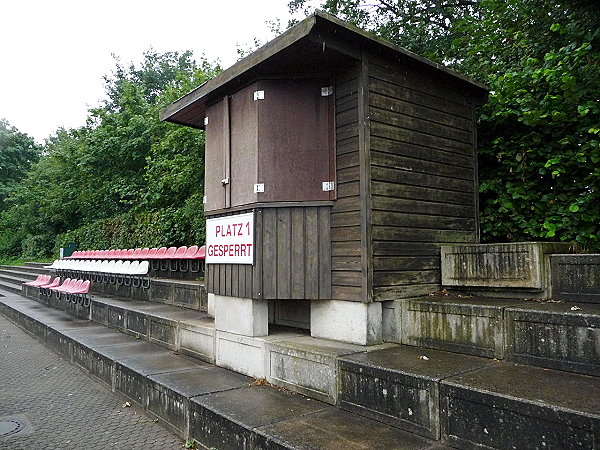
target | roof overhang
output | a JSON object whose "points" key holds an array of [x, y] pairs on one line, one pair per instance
{"points": [[317, 47]]}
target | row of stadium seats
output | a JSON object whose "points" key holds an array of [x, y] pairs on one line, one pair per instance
{"points": [[128, 273], [183, 252], [74, 290]]}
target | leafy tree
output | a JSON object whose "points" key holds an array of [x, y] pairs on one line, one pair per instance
{"points": [[18, 152], [538, 133]]}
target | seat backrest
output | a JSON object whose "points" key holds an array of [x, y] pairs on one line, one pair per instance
{"points": [[191, 251], [144, 253], [76, 285], [110, 265], [142, 268], [124, 267], [129, 253], [133, 268], [181, 251], [55, 283], [136, 253], [65, 283], [201, 254], [170, 253], [117, 267], [152, 253], [161, 253], [84, 288]]}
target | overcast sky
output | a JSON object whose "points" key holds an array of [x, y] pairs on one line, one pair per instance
{"points": [[54, 53]]}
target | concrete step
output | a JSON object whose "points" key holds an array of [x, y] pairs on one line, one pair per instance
{"points": [[28, 269], [514, 406], [19, 274], [212, 405], [187, 331], [10, 287], [564, 336], [37, 265], [14, 279], [470, 402]]}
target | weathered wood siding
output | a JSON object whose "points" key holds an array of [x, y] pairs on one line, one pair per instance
{"points": [[423, 177], [347, 273], [292, 257]]}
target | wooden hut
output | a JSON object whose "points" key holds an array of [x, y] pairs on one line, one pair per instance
{"points": [[354, 158]]}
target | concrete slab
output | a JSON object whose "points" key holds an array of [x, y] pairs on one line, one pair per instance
{"points": [[473, 326], [400, 385], [513, 406], [341, 430], [228, 419], [131, 350], [352, 322], [308, 365], [197, 339], [563, 336]]}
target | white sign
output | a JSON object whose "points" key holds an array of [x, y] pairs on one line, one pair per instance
{"points": [[230, 240]]}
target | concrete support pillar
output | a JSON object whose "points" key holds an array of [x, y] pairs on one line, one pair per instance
{"points": [[353, 322], [211, 305], [243, 316]]}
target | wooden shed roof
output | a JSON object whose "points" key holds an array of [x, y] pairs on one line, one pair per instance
{"points": [[316, 46]]}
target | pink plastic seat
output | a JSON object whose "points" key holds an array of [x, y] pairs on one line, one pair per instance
{"points": [[136, 253], [180, 253], [191, 251], [67, 283], [152, 253], [75, 284], [170, 253], [201, 254], [144, 253], [160, 254], [55, 283], [84, 288], [39, 281], [129, 253]]}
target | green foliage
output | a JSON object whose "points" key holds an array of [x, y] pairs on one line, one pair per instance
{"points": [[125, 179], [539, 132], [18, 152]]}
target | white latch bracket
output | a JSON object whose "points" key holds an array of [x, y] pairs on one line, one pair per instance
{"points": [[259, 187], [326, 91], [259, 95], [206, 121], [328, 186]]}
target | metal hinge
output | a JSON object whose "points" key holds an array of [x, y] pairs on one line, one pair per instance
{"points": [[326, 91], [328, 185], [259, 95], [259, 187], [225, 181]]}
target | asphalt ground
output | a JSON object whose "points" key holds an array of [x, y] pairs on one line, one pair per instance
{"points": [[47, 403]]}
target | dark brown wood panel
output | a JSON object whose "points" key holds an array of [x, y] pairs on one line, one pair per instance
{"points": [[345, 215], [292, 258], [422, 172], [214, 157]]}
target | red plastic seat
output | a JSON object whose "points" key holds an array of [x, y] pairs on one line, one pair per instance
{"points": [[160, 254], [180, 253], [75, 285], [170, 253], [128, 254], [39, 281], [152, 253], [136, 253], [201, 254], [84, 288], [144, 253], [67, 283]]}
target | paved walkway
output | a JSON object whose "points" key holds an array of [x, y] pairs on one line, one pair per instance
{"points": [[60, 407]]}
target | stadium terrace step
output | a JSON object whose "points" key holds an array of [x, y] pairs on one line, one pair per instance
{"points": [[28, 269], [558, 335], [10, 287], [513, 406], [16, 279], [212, 405]]}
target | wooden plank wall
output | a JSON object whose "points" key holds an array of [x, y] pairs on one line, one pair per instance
{"points": [[423, 177], [347, 275], [292, 259]]}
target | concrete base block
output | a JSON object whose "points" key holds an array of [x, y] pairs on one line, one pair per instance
{"points": [[307, 365], [210, 301], [391, 321], [162, 331], [469, 326], [511, 406], [576, 278], [552, 335], [242, 354], [197, 340], [353, 322], [244, 316], [399, 387]]}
